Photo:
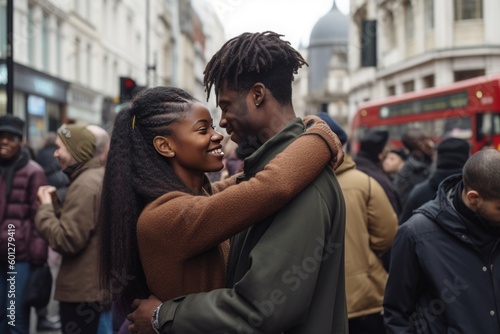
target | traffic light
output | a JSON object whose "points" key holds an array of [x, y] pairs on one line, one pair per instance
{"points": [[128, 89]]}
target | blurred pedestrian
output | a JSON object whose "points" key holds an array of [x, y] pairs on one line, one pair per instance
{"points": [[369, 161], [371, 225], [452, 153], [166, 232], [393, 161], [417, 167], [443, 276], [72, 233], [20, 245], [55, 177], [252, 78]]}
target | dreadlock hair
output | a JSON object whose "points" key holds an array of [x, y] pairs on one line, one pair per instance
{"points": [[481, 173], [135, 175], [255, 57]]}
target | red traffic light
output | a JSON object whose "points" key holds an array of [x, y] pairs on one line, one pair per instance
{"points": [[129, 84]]}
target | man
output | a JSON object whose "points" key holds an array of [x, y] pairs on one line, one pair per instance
{"points": [[71, 232], [417, 167], [286, 273], [371, 225], [20, 245], [369, 161], [452, 153], [443, 276], [394, 160]]}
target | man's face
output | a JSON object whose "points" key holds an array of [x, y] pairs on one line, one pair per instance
{"points": [[240, 118], [427, 145], [62, 155], [10, 144], [392, 163]]}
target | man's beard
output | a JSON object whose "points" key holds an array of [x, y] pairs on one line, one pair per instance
{"points": [[492, 226]]}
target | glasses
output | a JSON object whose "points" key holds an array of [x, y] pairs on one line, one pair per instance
{"points": [[9, 136]]}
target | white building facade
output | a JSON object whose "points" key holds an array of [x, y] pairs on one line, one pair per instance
{"points": [[70, 54], [399, 46]]}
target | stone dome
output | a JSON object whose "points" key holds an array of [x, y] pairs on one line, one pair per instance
{"points": [[332, 28]]}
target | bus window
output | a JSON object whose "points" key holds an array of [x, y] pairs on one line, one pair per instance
{"points": [[459, 127], [488, 130]]}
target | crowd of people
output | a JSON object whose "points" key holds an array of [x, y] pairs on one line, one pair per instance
{"points": [[164, 226]]}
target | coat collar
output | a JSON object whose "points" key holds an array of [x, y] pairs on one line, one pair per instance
{"points": [[264, 154]]}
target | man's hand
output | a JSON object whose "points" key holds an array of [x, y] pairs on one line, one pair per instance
{"points": [[140, 319], [44, 194], [316, 125]]}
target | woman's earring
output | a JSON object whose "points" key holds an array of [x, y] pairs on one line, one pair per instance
{"points": [[257, 105], [171, 155]]}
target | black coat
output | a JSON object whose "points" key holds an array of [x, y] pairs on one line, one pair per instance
{"points": [[440, 281], [414, 171], [424, 192], [373, 168]]}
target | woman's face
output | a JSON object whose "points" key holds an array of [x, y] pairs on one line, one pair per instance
{"points": [[392, 163], [195, 143]]}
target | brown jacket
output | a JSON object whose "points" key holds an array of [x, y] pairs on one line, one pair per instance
{"points": [[371, 225], [73, 234], [181, 236]]}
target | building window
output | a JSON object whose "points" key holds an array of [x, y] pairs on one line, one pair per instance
{"points": [[77, 60], [428, 81], [391, 90], [409, 29], [390, 30], [89, 65], [58, 47], [3, 29], [31, 35], [429, 14], [463, 75], [408, 86], [468, 9], [45, 42]]}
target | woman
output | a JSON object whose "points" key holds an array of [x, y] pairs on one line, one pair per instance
{"points": [[161, 232]]}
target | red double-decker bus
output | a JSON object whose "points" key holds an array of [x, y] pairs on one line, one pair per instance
{"points": [[469, 109]]}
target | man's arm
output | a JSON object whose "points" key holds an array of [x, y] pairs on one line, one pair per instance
{"points": [[276, 291], [382, 220], [401, 293], [72, 231]]}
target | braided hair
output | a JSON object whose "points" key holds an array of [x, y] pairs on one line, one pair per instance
{"points": [[255, 57], [135, 175]]}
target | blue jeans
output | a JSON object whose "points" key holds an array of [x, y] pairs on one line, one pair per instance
{"points": [[14, 316]]}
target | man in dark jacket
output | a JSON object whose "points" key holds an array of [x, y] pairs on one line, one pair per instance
{"points": [[20, 244], [417, 167], [452, 153], [442, 277], [285, 273], [369, 161]]}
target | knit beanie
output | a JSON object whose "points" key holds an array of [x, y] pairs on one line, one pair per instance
{"points": [[452, 153], [334, 126], [373, 142], [79, 141]]}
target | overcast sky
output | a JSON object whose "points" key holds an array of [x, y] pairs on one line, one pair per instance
{"points": [[292, 18]]}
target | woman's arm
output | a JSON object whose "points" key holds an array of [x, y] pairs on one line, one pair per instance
{"points": [[198, 223]]}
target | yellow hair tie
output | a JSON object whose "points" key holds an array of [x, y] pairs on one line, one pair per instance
{"points": [[133, 122]]}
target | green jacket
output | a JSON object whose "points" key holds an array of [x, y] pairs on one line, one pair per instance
{"points": [[293, 275]]}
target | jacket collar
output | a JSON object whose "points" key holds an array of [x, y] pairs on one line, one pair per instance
{"points": [[264, 154], [95, 162], [442, 211], [346, 165]]}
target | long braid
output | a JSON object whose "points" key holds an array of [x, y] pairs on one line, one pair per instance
{"points": [[135, 175], [249, 58]]}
